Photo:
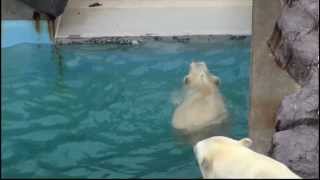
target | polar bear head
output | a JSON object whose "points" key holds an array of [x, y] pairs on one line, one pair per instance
{"points": [[207, 149], [200, 77]]}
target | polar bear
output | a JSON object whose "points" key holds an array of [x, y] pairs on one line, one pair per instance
{"points": [[223, 157], [202, 104]]}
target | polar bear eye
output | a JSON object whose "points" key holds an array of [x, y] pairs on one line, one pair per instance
{"points": [[186, 80], [206, 165]]}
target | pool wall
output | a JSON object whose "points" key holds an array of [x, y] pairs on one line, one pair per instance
{"points": [[118, 18], [124, 18]]}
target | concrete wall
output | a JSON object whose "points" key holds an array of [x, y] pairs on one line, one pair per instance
{"points": [[269, 83], [155, 17], [133, 18]]}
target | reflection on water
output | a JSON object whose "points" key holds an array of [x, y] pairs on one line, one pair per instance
{"points": [[105, 111], [58, 59]]}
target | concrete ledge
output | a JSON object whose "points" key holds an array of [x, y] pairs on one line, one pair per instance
{"points": [[155, 18], [135, 40]]}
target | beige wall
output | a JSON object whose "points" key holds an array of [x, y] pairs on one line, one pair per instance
{"points": [[156, 17]]}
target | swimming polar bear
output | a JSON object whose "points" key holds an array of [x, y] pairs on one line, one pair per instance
{"points": [[223, 157], [202, 104]]}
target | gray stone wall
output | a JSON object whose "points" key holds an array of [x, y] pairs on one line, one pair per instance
{"points": [[23, 9], [295, 45], [15, 10]]}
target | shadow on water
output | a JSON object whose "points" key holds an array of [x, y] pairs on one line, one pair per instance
{"points": [[58, 59]]}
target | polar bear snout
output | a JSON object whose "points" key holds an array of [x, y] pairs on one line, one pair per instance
{"points": [[186, 80]]}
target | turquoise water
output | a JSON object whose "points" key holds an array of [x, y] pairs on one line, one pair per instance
{"points": [[18, 31], [105, 111]]}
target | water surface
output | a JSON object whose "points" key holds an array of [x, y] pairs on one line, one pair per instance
{"points": [[104, 111]]}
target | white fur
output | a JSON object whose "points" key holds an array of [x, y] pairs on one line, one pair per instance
{"points": [[223, 157], [202, 104]]}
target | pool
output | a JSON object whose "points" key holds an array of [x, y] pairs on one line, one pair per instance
{"points": [[104, 111]]}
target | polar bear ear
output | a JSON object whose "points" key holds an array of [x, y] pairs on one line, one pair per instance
{"points": [[191, 65], [247, 142], [204, 66], [193, 62]]}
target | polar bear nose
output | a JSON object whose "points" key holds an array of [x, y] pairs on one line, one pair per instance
{"points": [[186, 80]]}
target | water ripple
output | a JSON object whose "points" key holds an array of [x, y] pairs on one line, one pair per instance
{"points": [[105, 111]]}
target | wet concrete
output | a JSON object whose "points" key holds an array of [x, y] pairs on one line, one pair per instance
{"points": [[269, 83]]}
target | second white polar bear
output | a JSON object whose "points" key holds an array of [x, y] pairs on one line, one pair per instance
{"points": [[222, 157], [202, 104]]}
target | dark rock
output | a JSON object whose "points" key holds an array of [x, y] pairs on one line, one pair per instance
{"points": [[95, 4], [312, 8], [297, 48], [157, 38], [51, 7], [295, 45], [301, 107], [237, 37], [303, 54], [15, 10], [181, 39], [298, 148], [293, 21]]}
